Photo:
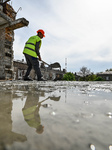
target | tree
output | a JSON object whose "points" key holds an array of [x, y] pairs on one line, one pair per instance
{"points": [[92, 77], [69, 77], [108, 70], [84, 71]]}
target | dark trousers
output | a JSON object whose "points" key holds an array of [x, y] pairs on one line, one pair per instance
{"points": [[32, 62]]}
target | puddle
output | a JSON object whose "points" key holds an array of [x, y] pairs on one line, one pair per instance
{"points": [[55, 115]]}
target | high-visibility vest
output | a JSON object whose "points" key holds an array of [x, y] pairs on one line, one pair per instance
{"points": [[29, 116], [30, 46]]}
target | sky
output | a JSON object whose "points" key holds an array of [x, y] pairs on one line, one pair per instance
{"points": [[77, 32]]}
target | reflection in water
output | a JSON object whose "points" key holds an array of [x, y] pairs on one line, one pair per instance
{"points": [[31, 110], [110, 147], [6, 134], [109, 114], [92, 147], [82, 115], [31, 113]]}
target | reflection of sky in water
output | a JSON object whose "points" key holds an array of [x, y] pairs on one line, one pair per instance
{"points": [[56, 115]]}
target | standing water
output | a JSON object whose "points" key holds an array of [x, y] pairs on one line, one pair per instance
{"points": [[55, 115]]}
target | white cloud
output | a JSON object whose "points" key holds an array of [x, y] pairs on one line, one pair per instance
{"points": [[78, 30]]}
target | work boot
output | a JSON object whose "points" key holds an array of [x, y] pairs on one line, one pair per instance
{"points": [[42, 79], [27, 79]]}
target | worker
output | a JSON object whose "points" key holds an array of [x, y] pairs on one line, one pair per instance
{"points": [[32, 55]]}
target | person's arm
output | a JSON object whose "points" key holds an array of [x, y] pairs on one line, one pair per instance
{"points": [[37, 50]]}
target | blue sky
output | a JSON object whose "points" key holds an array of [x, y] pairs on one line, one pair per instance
{"points": [[79, 30]]}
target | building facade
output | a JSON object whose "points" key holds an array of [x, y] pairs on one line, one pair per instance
{"points": [[8, 23], [107, 75], [48, 73]]}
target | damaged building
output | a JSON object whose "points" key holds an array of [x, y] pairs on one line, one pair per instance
{"points": [[49, 72], [9, 68], [8, 23]]}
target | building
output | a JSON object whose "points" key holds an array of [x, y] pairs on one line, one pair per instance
{"points": [[20, 68], [8, 23], [107, 75], [49, 73], [9, 68]]}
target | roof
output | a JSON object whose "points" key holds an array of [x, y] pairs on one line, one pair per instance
{"points": [[105, 73]]}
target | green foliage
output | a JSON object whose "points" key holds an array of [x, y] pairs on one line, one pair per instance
{"points": [[109, 69], [69, 77], [99, 79], [82, 79], [91, 77]]}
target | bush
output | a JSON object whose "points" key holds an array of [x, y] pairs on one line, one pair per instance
{"points": [[69, 77], [92, 77], [99, 79]]}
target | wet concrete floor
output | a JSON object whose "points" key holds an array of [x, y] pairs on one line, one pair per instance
{"points": [[55, 115]]}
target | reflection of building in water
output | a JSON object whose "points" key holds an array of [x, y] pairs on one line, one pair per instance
{"points": [[49, 73], [6, 134]]}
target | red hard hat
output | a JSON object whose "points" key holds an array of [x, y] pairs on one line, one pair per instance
{"points": [[42, 31]]}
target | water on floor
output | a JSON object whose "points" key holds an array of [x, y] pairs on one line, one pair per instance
{"points": [[55, 115]]}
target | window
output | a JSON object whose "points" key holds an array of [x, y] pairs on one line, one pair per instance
{"points": [[107, 78]]}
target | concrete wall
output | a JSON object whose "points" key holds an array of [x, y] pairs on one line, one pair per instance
{"points": [[6, 42], [7, 26], [20, 68], [6, 56], [2, 54]]}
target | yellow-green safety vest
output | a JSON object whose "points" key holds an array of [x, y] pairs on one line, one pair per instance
{"points": [[29, 117], [30, 46]]}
